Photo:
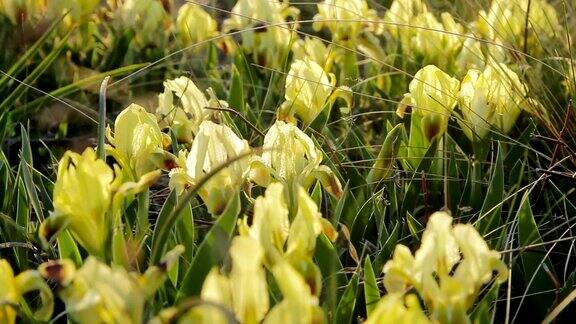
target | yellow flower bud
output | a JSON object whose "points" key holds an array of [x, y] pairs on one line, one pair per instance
{"points": [[265, 35], [491, 98], [12, 291], [82, 197], [213, 146], [182, 107], [448, 270], [397, 308], [195, 25], [346, 19], [309, 90], [432, 96], [136, 137], [97, 293]]}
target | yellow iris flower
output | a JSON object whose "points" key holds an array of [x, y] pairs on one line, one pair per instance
{"points": [[214, 145], [433, 96], [266, 35], [490, 98], [82, 198], [194, 24], [136, 138], [448, 271], [347, 19], [12, 291], [97, 293], [291, 156], [183, 107], [309, 90]]}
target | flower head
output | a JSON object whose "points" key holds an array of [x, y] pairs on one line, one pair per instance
{"points": [[98, 293], [432, 96], [346, 19], [491, 98], [291, 156], [267, 36], [309, 89], [213, 146], [448, 270], [136, 137], [194, 24], [12, 291], [183, 107], [506, 21], [82, 197]]}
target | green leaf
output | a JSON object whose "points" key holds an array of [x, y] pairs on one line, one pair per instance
{"points": [[491, 208], [19, 65], [102, 120], [236, 94], [26, 166], [413, 189], [347, 303], [317, 194], [534, 263], [163, 218], [371, 290], [210, 250], [330, 266], [483, 313], [67, 248], [35, 74]]}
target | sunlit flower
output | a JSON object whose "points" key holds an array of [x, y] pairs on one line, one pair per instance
{"points": [[146, 18], [136, 137], [300, 304], [281, 239], [270, 224], [213, 146], [506, 21], [346, 19], [97, 293], [449, 269], [183, 107], [194, 24], [491, 98], [244, 291], [432, 96], [399, 18], [309, 90], [265, 33], [397, 308], [437, 40], [82, 197], [291, 156], [12, 291], [316, 50], [477, 55]]}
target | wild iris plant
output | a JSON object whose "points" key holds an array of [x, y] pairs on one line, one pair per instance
{"points": [[237, 194]]}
